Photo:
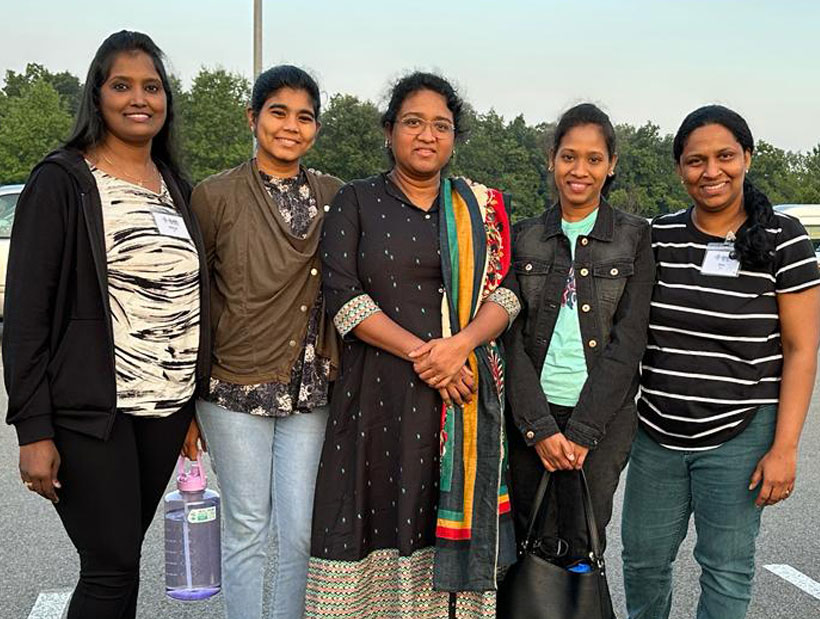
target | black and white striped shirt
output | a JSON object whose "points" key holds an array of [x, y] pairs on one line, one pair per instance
{"points": [[714, 354]]}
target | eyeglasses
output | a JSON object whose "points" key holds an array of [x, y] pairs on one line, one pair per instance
{"points": [[415, 126]]}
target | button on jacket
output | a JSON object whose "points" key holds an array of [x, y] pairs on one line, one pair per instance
{"points": [[615, 273], [261, 276]]}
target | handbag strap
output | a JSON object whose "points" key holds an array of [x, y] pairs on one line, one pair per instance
{"points": [[592, 527]]}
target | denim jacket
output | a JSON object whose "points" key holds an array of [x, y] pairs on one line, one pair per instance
{"points": [[614, 275]]}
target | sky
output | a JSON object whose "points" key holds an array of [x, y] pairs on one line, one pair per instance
{"points": [[640, 60]]}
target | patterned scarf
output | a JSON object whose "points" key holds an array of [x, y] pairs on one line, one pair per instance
{"points": [[474, 531]]}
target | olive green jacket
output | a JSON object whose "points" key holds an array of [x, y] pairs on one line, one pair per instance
{"points": [[264, 280]]}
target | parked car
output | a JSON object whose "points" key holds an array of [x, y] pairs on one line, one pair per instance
{"points": [[809, 216], [8, 202]]}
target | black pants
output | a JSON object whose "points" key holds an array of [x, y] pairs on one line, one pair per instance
{"points": [[110, 491], [563, 515]]}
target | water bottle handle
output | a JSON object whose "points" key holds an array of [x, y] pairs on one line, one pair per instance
{"points": [[196, 463]]}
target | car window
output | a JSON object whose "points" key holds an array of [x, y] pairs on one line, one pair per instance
{"points": [[7, 204]]}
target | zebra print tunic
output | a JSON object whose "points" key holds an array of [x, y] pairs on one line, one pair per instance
{"points": [[153, 290]]}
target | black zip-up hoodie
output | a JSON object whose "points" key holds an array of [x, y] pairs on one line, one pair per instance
{"points": [[58, 343]]}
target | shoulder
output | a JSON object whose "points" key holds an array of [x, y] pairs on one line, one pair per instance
{"points": [[327, 182], [56, 177], [669, 219], [670, 225], [622, 218], [786, 226], [218, 186], [531, 227], [482, 193], [224, 179], [363, 188]]}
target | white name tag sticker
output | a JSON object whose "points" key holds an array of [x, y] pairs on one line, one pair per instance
{"points": [[171, 225], [719, 261]]}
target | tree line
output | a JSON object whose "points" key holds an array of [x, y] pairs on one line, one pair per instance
{"points": [[37, 108]]}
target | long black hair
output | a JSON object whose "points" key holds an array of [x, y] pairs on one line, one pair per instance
{"points": [[587, 114], [753, 245], [284, 76], [89, 127]]}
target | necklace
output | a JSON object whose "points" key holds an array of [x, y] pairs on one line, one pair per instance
{"points": [[729, 237], [139, 180]]}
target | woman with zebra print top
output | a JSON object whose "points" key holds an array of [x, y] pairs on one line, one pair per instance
{"points": [[104, 349]]}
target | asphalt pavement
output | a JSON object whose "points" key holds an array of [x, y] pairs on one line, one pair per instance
{"points": [[40, 564]]}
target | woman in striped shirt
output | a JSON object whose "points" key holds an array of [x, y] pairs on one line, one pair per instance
{"points": [[726, 378]]}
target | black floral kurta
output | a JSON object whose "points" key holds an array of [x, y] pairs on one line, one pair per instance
{"points": [[375, 507]]}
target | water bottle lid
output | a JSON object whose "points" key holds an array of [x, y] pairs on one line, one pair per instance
{"points": [[194, 479]]}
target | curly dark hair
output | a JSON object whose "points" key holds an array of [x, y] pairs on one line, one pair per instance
{"points": [[413, 83]]}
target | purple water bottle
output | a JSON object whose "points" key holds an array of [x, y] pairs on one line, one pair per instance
{"points": [[193, 560]]}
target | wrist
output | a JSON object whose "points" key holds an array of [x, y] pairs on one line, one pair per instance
{"points": [[464, 342], [784, 448]]}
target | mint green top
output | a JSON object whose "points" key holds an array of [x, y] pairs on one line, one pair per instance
{"points": [[565, 369]]}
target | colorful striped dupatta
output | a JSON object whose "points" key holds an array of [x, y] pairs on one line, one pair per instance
{"points": [[474, 530]]}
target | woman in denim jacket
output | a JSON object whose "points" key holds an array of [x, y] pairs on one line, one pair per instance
{"points": [[586, 272]]}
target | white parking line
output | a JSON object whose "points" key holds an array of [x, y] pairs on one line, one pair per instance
{"points": [[50, 604], [797, 578]]}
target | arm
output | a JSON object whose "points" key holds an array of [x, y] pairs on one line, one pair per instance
{"points": [[800, 337], [528, 404], [438, 361], [352, 309], [609, 382], [208, 223], [34, 270]]}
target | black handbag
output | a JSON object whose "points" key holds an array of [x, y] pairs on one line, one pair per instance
{"points": [[535, 588]]}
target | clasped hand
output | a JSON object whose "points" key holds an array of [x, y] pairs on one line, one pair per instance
{"points": [[558, 453], [441, 364]]}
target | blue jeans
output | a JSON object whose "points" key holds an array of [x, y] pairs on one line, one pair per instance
{"points": [[664, 488], [266, 468]]}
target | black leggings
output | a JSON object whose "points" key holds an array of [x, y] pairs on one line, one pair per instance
{"points": [[110, 491]]}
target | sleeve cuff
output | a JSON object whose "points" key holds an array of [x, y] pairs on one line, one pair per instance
{"points": [[582, 434], [34, 429], [539, 430], [507, 299], [354, 312]]}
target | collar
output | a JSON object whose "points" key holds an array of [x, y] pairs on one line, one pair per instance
{"points": [[603, 230], [393, 190]]}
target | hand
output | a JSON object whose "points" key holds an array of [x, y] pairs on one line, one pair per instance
{"points": [[438, 361], [580, 454], [194, 441], [556, 453], [777, 470], [39, 463], [460, 389]]}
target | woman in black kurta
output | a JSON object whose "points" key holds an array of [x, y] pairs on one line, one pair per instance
{"points": [[374, 525]]}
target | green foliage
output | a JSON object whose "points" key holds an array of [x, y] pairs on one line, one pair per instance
{"points": [[213, 127], [68, 86], [350, 143], [509, 156], [31, 124], [645, 180], [37, 106]]}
